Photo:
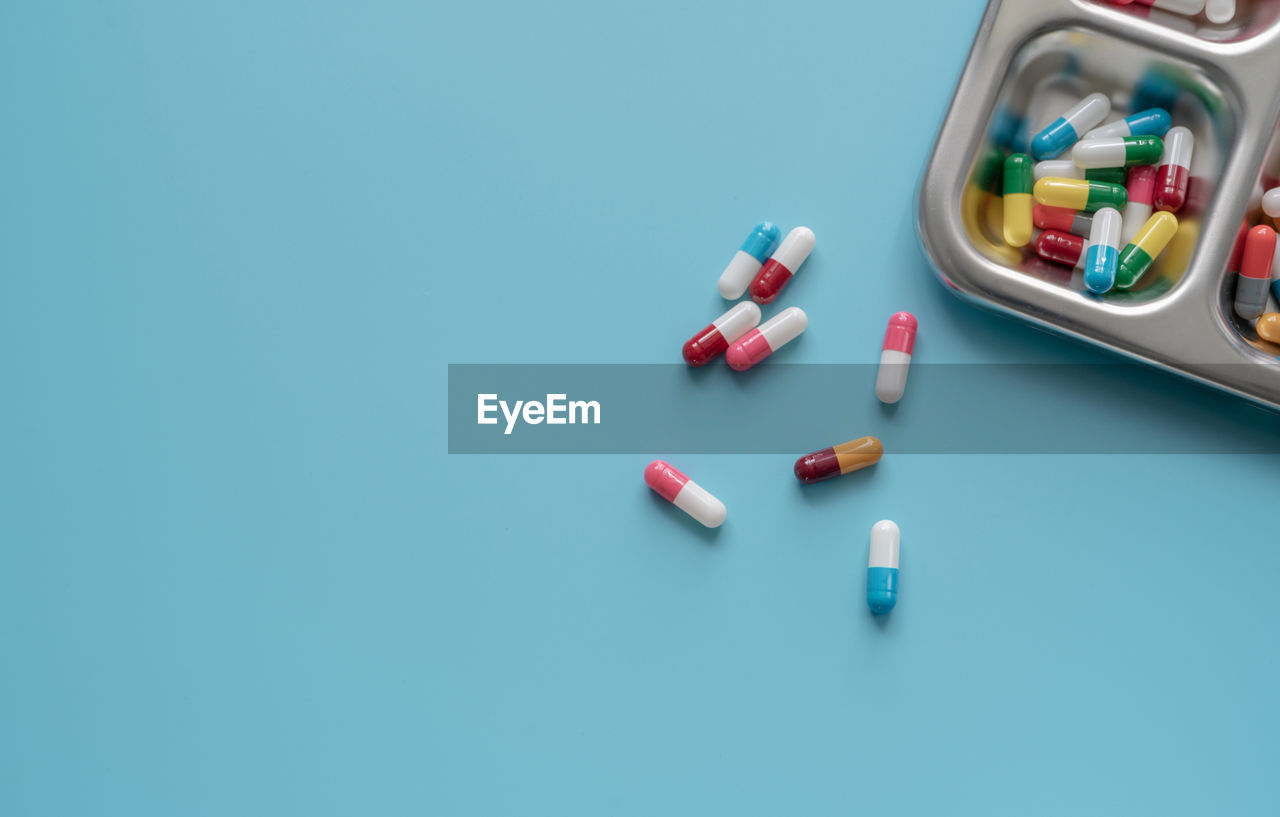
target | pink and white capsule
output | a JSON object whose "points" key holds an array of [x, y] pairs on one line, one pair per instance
{"points": [[1271, 202], [895, 357], [684, 493], [767, 338], [1140, 186]]}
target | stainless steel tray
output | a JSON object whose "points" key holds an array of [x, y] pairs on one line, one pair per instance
{"points": [[1027, 57]]}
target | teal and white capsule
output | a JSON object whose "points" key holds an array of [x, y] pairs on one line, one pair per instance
{"points": [[1063, 132], [1151, 122], [882, 567], [747, 261], [1103, 256], [1117, 151]]}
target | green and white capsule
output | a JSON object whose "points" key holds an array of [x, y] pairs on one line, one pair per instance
{"points": [[1067, 169], [1117, 151]]}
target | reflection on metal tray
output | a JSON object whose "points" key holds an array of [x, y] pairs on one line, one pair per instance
{"points": [[1030, 61]]}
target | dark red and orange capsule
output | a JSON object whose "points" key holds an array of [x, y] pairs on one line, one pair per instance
{"points": [[838, 460]]}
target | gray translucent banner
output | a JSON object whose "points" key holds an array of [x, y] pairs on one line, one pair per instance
{"points": [[793, 409]]}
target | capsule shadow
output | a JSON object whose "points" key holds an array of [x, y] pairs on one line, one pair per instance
{"points": [[836, 488]]}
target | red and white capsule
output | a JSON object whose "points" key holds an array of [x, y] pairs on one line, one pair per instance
{"points": [[1254, 280], [700, 349], [1174, 171], [767, 338], [782, 265], [684, 493], [1140, 186], [895, 357]]}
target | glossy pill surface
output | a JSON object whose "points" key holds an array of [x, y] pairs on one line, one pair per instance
{"points": [[700, 349], [1268, 327], [1220, 11], [767, 338], [1138, 255], [1066, 129], [1103, 256], [1078, 194], [1017, 184], [1061, 248], [1117, 151], [684, 493], [895, 357], [1271, 202], [1254, 280], [1151, 122], [782, 265], [746, 262], [838, 460], [1174, 171], [882, 566]]}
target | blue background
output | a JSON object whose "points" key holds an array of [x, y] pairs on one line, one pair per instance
{"points": [[240, 575]]}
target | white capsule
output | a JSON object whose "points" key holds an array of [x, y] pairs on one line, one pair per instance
{"points": [[795, 248], [737, 321], [1088, 112], [886, 544], [1220, 11], [1178, 145], [784, 327], [1108, 151], [1271, 202], [1057, 169], [698, 502]]}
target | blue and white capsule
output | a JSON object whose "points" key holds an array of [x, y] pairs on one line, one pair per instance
{"points": [[882, 567], [747, 261], [1065, 131], [1151, 122], [1103, 256]]}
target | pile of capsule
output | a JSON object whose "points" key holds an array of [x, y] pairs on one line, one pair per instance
{"points": [[1258, 270], [763, 266], [1108, 210]]}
